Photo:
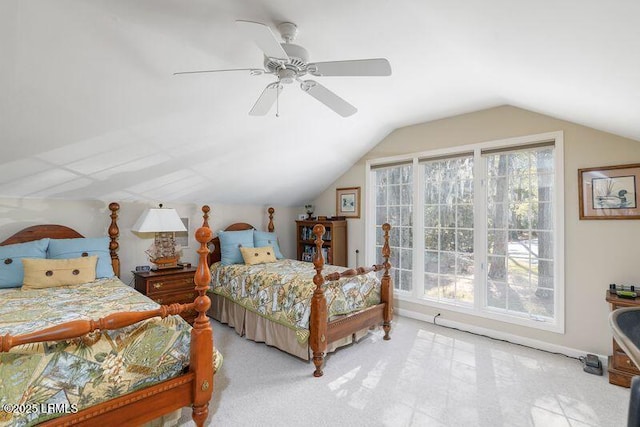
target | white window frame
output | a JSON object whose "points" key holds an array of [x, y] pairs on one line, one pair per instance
{"points": [[479, 307]]}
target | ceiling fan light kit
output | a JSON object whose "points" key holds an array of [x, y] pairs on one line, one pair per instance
{"points": [[289, 62]]}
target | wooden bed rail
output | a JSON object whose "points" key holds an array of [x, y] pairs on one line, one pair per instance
{"points": [[78, 328], [319, 321], [353, 272]]}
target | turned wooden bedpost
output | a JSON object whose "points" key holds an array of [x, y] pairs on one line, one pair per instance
{"points": [[205, 215], [201, 359], [205, 223], [318, 317], [114, 232], [270, 227], [386, 287]]}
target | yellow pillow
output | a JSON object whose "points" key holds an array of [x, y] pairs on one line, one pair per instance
{"points": [[49, 273], [258, 255]]}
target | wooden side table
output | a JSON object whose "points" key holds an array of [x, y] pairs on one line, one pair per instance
{"points": [[621, 368], [169, 286]]}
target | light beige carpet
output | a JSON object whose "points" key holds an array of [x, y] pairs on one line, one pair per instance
{"points": [[425, 376]]}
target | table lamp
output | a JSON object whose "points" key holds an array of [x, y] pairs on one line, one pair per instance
{"points": [[164, 222]]}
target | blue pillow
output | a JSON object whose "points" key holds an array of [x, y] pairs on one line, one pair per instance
{"points": [[264, 238], [230, 243], [11, 269], [75, 248]]}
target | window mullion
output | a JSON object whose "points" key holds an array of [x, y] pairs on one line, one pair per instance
{"points": [[418, 229], [370, 217], [480, 229], [558, 231]]}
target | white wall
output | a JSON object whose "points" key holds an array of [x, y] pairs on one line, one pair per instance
{"points": [[91, 219], [596, 252]]}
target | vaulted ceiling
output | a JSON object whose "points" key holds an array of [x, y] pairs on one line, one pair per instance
{"points": [[90, 107]]}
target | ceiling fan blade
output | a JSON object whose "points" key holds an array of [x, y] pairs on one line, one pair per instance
{"points": [[357, 67], [252, 71], [266, 100], [328, 98], [264, 38]]}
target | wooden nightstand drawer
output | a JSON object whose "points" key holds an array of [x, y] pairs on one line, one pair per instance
{"points": [[622, 361], [181, 298], [162, 285]]}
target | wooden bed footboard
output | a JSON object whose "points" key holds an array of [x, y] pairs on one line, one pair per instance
{"points": [[321, 330], [193, 388]]}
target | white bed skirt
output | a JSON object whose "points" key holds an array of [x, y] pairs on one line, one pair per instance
{"points": [[259, 329]]}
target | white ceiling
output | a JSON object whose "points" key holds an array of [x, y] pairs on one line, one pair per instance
{"points": [[90, 108]]}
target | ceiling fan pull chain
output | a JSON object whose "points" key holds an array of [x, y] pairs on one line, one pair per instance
{"points": [[278, 100]]}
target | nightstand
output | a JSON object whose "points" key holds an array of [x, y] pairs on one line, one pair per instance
{"points": [[168, 287], [621, 368]]}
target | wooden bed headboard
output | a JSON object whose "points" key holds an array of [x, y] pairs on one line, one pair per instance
{"points": [[214, 244], [53, 231]]}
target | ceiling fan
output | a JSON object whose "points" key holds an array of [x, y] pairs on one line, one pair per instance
{"points": [[289, 62]]}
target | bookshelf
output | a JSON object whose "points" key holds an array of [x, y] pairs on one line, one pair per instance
{"points": [[334, 248]]}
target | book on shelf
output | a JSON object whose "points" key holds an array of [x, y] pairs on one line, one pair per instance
{"points": [[309, 253], [306, 233]]}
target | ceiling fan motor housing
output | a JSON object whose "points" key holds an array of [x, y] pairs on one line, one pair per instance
{"points": [[298, 58]]}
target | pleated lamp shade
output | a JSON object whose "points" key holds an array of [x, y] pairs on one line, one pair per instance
{"points": [[159, 220]]}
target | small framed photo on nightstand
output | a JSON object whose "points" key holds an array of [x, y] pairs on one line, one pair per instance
{"points": [[302, 217]]}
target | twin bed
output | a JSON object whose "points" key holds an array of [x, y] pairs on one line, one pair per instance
{"points": [[301, 308], [100, 353], [97, 353]]}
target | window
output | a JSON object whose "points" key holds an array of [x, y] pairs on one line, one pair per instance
{"points": [[394, 204], [489, 221], [448, 229], [520, 231]]}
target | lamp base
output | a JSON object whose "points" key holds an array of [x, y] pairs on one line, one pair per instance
{"points": [[166, 262]]}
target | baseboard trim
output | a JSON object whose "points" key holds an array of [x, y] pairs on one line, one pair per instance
{"points": [[516, 339]]}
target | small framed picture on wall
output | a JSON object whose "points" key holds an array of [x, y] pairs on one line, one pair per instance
{"points": [[348, 202], [609, 192]]}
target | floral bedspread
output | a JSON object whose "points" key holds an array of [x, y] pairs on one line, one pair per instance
{"points": [[281, 291], [43, 381]]}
